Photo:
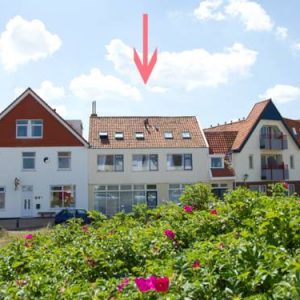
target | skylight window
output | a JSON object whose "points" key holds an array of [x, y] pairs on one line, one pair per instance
{"points": [[139, 135], [103, 135], [186, 135], [119, 135], [168, 135], [294, 131]]}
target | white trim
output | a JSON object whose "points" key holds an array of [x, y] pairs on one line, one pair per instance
{"points": [[29, 91]]}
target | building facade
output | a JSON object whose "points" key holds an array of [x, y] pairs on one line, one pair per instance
{"points": [[43, 159], [261, 149], [143, 160]]}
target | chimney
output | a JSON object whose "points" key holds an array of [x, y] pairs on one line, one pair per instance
{"points": [[94, 110]]}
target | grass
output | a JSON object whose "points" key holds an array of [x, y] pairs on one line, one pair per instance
{"points": [[8, 236]]}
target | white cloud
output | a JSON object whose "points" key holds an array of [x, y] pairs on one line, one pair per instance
{"points": [[97, 86], [282, 93], [251, 14], [281, 32], [24, 41], [296, 46], [207, 10], [47, 91], [188, 69]]}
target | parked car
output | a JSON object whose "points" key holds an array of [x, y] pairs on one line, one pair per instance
{"points": [[69, 213]]}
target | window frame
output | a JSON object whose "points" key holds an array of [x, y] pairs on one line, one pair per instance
{"points": [[215, 157], [251, 161], [115, 158], [64, 156], [149, 158], [292, 162], [62, 190], [29, 128], [2, 192], [24, 156], [184, 158]]}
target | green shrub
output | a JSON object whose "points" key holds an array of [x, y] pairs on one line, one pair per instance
{"points": [[198, 195], [249, 248]]}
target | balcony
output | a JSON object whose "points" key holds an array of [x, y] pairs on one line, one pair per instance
{"points": [[275, 172], [273, 141]]}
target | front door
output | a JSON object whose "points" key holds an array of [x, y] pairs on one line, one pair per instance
{"points": [[27, 200], [152, 199]]}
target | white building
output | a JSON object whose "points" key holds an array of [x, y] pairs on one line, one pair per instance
{"points": [[143, 160], [43, 160]]}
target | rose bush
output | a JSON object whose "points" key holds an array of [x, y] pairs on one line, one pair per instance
{"points": [[249, 249]]}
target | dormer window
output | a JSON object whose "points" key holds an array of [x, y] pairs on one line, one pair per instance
{"points": [[294, 131], [217, 162], [29, 129], [119, 135], [186, 135], [139, 135], [103, 136], [168, 135]]}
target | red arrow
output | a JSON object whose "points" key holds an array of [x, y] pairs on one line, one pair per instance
{"points": [[145, 68]]}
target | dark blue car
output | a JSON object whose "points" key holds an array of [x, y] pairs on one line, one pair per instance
{"points": [[69, 213]]}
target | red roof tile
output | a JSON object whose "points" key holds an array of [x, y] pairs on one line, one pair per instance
{"points": [[220, 141], [153, 129], [293, 124]]}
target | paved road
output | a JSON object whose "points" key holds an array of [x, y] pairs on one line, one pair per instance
{"points": [[26, 223]]}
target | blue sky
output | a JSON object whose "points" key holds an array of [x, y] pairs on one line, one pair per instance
{"points": [[216, 58]]}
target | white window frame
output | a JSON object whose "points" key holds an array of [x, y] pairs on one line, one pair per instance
{"points": [[148, 162], [168, 135], [2, 192], [29, 127], [115, 157], [184, 157], [26, 156], [186, 135], [222, 161], [119, 135], [62, 155], [62, 190], [139, 135]]}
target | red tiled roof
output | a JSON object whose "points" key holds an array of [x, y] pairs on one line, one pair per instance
{"points": [[243, 127], [293, 124], [220, 141], [153, 132]]}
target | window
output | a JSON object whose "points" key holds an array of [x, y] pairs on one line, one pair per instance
{"points": [[251, 161], [168, 135], [62, 196], [179, 162], [29, 129], [292, 162], [110, 163], [216, 162], [144, 162], [119, 135], [294, 130], [2, 197], [64, 160], [139, 135], [291, 189], [103, 136], [175, 191], [186, 135], [28, 160], [258, 188]]}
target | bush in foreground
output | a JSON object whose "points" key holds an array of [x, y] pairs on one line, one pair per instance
{"points": [[247, 247]]}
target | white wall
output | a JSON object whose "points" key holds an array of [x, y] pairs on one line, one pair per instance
{"points": [[199, 172], [252, 146], [44, 176]]}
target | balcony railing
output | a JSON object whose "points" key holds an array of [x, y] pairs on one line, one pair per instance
{"points": [[273, 141], [275, 172]]}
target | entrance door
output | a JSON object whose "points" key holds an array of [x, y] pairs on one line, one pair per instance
{"points": [[152, 199], [27, 200]]}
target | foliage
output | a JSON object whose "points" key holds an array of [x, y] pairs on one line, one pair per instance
{"points": [[198, 195], [248, 249]]}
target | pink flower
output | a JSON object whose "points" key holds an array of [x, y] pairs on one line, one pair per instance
{"points": [[285, 185], [145, 285], [29, 237], [161, 284], [170, 234], [221, 246], [196, 264], [152, 283], [123, 283], [213, 212], [188, 208]]}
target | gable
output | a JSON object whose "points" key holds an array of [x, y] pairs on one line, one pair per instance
{"points": [[270, 113], [55, 132]]}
